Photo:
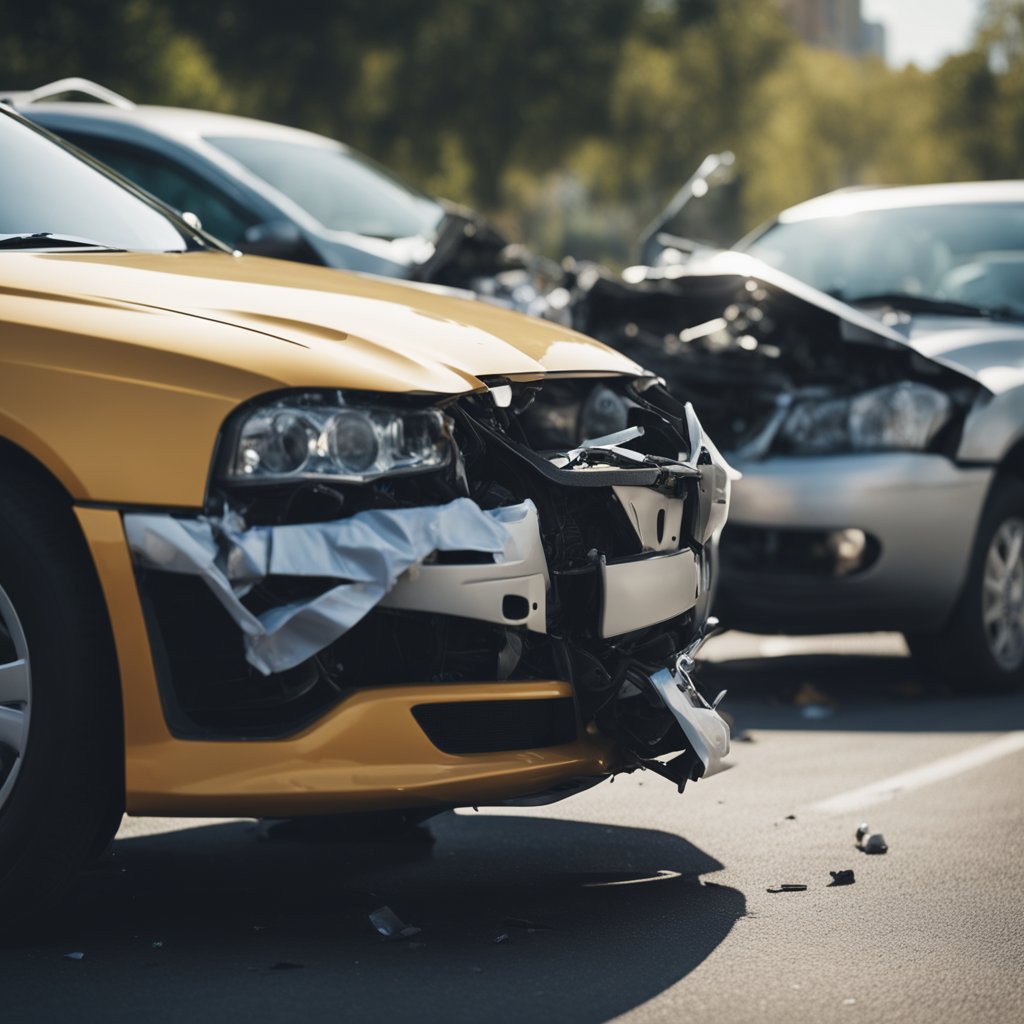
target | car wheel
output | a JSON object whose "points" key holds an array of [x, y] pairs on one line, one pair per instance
{"points": [[981, 647], [60, 731]]}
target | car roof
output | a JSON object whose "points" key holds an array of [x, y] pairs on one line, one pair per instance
{"points": [[863, 200], [178, 123]]}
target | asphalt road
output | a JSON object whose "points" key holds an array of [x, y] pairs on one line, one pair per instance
{"points": [[647, 906]]}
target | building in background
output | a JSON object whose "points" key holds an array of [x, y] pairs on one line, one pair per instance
{"points": [[836, 25]]}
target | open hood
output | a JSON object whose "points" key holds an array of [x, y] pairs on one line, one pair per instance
{"points": [[742, 341]]}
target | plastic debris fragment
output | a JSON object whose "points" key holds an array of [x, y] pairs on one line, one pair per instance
{"points": [[74, 956], [875, 843], [788, 887], [844, 877], [390, 926], [500, 940], [868, 841]]}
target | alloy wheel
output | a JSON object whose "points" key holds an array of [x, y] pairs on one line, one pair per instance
{"points": [[15, 696], [1003, 595]]}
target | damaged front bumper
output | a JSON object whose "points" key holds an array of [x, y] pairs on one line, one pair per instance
{"points": [[536, 629]]}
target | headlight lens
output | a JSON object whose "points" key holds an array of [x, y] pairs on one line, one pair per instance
{"points": [[898, 417], [325, 437], [604, 412]]}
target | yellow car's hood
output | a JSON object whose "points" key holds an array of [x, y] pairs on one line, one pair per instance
{"points": [[337, 329], [118, 370]]}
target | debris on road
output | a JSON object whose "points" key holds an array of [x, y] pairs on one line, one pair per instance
{"points": [[844, 877], [868, 841], [788, 887], [74, 956], [500, 940], [390, 926]]}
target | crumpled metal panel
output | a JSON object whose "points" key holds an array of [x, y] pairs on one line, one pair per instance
{"points": [[368, 551]]}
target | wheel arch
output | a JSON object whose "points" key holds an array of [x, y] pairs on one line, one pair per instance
{"points": [[1012, 463], [23, 468]]}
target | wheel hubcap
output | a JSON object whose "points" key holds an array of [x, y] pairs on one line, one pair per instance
{"points": [[1003, 597], [15, 696]]}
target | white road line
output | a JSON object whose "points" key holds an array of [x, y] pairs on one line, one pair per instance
{"points": [[916, 778]]}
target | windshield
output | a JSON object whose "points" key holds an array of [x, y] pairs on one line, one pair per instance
{"points": [[341, 189], [972, 253], [44, 189]]}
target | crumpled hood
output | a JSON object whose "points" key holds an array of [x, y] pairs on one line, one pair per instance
{"points": [[991, 351], [958, 345], [332, 328]]}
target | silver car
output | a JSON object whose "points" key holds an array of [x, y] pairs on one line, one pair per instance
{"points": [[862, 364]]}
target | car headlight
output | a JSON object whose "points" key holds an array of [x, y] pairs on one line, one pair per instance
{"points": [[604, 412], [321, 437], [904, 416]]}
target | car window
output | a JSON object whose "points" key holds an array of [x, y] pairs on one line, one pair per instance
{"points": [[968, 252], [342, 190], [172, 183], [44, 188]]}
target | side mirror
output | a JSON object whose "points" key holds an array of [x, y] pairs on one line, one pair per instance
{"points": [[279, 239]]}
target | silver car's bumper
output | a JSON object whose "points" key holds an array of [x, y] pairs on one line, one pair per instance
{"points": [[918, 514]]}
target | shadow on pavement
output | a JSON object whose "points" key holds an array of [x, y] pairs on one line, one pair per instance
{"points": [[878, 693], [197, 924]]}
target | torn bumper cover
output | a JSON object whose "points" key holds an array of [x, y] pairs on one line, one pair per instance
{"points": [[588, 564], [368, 553]]}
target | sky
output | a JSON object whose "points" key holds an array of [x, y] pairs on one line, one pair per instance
{"points": [[923, 32]]}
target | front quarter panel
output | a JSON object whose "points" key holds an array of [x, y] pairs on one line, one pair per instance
{"points": [[994, 425], [112, 420]]}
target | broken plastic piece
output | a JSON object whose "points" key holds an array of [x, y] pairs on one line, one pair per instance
{"points": [[366, 553], [500, 940], [875, 843], [704, 728], [788, 887], [390, 926], [844, 877], [862, 830], [74, 956]]}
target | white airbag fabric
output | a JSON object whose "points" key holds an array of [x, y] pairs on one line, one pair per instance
{"points": [[368, 551]]}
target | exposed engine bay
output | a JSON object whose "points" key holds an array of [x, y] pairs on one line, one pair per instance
{"points": [[749, 346], [608, 497]]}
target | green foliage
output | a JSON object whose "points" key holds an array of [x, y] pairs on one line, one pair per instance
{"points": [[570, 121]]}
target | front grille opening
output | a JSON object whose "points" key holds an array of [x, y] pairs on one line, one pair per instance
{"points": [[489, 726]]}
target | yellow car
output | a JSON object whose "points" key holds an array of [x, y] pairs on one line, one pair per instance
{"points": [[279, 541]]}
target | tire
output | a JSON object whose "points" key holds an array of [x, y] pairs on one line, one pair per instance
{"points": [[61, 770], [980, 649]]}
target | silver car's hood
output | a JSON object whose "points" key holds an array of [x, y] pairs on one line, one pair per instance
{"points": [[990, 351], [978, 349]]}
